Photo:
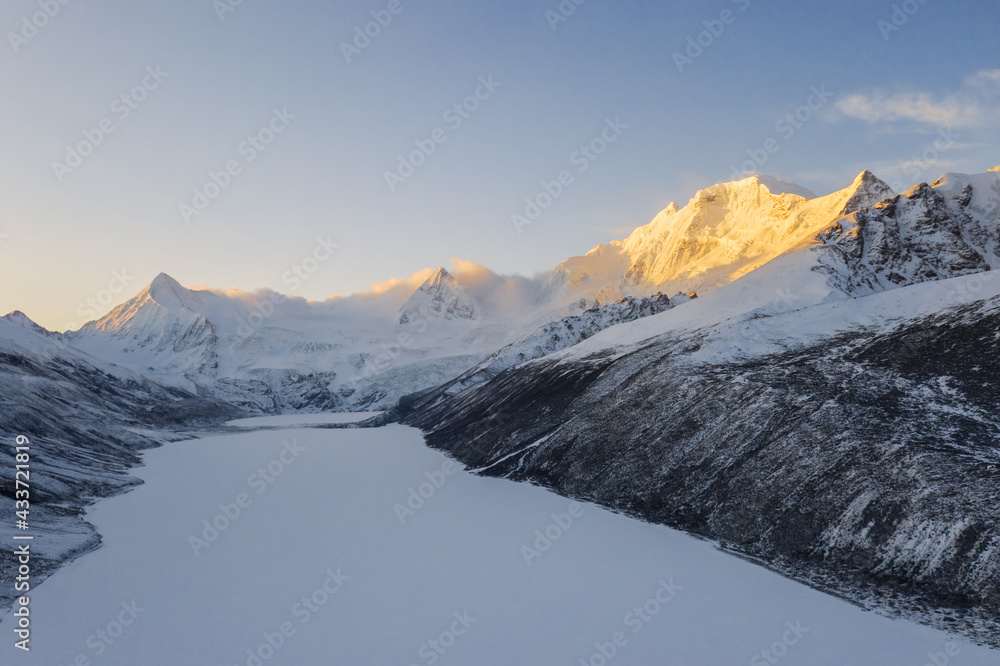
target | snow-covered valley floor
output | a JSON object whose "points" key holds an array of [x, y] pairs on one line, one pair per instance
{"points": [[332, 560]]}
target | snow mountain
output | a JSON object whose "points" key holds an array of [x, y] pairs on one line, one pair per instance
{"points": [[927, 233], [723, 233], [820, 394], [831, 413], [439, 298]]}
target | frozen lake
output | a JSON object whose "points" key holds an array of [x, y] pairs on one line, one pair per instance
{"points": [[334, 557]]}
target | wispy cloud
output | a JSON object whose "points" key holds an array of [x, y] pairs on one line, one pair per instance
{"points": [[973, 104], [919, 107], [988, 80]]}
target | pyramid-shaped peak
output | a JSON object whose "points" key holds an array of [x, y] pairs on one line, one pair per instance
{"points": [[868, 189], [169, 293], [439, 297], [996, 168], [164, 281], [868, 178], [440, 276]]}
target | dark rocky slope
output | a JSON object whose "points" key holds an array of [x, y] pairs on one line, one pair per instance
{"points": [[868, 465]]}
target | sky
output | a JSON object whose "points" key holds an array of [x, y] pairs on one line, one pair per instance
{"points": [[253, 144]]}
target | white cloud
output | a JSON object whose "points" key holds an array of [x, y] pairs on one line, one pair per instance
{"points": [[968, 107], [920, 107], [988, 80]]}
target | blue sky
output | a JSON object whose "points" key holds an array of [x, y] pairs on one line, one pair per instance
{"points": [[888, 95]]}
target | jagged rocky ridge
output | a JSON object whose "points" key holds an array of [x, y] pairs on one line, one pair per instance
{"points": [[567, 332], [927, 233]]}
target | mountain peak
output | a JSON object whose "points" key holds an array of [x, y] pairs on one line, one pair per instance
{"points": [[996, 168], [439, 297], [868, 190], [18, 318], [439, 277], [169, 293], [164, 281]]}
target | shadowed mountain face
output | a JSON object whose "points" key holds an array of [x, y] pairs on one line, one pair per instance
{"points": [[928, 233], [868, 464]]}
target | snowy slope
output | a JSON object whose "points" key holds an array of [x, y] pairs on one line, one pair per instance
{"points": [[926, 234]]}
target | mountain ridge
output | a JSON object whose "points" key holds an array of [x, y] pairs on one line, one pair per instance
{"points": [[844, 350]]}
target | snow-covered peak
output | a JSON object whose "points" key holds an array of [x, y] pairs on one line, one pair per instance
{"points": [[439, 278], [977, 194], [164, 297], [439, 298], [868, 189], [757, 185], [165, 331], [21, 320], [168, 292], [996, 168], [724, 232], [927, 233]]}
